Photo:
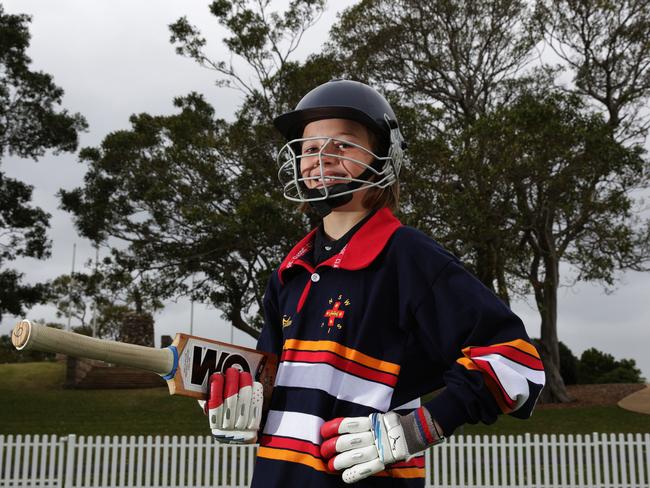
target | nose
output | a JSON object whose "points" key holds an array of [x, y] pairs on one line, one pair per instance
{"points": [[329, 152]]}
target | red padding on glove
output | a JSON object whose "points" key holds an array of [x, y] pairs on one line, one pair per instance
{"points": [[215, 392], [245, 379], [331, 428], [328, 448], [232, 382]]}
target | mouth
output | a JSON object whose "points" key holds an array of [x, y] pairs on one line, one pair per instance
{"points": [[328, 179]]}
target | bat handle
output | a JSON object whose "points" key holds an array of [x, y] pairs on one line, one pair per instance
{"points": [[28, 336], [20, 334]]}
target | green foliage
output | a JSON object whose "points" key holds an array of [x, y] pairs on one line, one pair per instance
{"points": [[456, 54], [598, 367], [263, 39], [30, 124], [9, 354], [196, 198], [510, 172], [98, 302], [29, 121], [605, 44], [568, 365]]}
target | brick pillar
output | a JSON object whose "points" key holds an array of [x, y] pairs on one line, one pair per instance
{"points": [[137, 329]]}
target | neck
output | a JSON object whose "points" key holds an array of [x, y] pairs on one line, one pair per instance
{"points": [[338, 222]]}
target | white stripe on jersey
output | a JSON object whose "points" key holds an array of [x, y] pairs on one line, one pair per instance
{"points": [[341, 385], [294, 424], [513, 376], [412, 405]]}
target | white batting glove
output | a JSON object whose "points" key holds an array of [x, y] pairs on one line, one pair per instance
{"points": [[363, 446], [234, 407]]}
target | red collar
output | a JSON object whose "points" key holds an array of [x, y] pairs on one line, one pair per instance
{"points": [[364, 246]]}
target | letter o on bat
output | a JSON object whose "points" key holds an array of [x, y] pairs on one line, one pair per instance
{"points": [[235, 360]]}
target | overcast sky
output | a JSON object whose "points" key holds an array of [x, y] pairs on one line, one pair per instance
{"points": [[113, 58]]}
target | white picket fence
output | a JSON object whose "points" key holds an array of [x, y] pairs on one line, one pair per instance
{"points": [[597, 460]]}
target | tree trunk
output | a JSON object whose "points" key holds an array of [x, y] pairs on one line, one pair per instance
{"points": [[555, 390]]}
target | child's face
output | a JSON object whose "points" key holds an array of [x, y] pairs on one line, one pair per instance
{"points": [[334, 152]]}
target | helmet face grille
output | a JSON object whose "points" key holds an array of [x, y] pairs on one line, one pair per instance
{"points": [[344, 99], [375, 172]]}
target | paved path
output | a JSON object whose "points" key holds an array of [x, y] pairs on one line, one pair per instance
{"points": [[639, 401]]}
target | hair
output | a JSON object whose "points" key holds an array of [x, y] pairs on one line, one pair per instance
{"points": [[378, 198], [375, 198]]}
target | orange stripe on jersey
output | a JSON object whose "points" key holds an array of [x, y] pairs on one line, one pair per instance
{"points": [[346, 352], [407, 472], [468, 364], [522, 345], [292, 456], [507, 351], [503, 400], [342, 364], [319, 465]]}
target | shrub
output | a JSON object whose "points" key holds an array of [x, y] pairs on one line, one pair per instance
{"points": [[568, 365], [594, 366], [9, 354], [598, 367]]}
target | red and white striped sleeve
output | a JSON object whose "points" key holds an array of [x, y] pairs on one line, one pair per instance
{"points": [[512, 371]]}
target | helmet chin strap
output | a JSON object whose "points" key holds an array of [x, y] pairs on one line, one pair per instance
{"points": [[324, 207]]}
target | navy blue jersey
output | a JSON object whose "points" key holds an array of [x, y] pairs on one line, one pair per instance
{"points": [[388, 319]]}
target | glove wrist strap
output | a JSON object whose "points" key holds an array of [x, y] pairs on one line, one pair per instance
{"points": [[420, 431]]}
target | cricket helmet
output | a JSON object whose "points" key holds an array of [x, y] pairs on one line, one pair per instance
{"points": [[340, 99]]}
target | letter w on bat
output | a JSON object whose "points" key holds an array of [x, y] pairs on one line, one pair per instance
{"points": [[204, 363]]}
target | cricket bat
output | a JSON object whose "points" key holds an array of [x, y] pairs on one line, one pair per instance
{"points": [[186, 364]]}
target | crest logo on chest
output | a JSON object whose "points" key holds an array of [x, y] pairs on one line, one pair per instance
{"points": [[335, 312], [286, 321]]}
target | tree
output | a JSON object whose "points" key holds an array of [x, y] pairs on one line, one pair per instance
{"points": [[606, 46], [571, 183], [456, 54], [30, 124], [451, 62], [101, 301], [196, 199], [457, 66]]}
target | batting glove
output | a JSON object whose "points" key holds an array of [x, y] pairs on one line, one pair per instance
{"points": [[234, 407], [363, 446]]}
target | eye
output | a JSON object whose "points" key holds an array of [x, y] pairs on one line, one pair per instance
{"points": [[342, 146], [310, 149]]}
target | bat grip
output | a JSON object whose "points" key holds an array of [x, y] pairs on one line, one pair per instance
{"points": [[26, 336]]}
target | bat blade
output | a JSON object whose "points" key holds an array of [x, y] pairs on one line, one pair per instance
{"points": [[186, 364], [199, 357]]}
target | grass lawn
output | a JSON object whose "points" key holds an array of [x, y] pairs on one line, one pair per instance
{"points": [[32, 401], [576, 420]]}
